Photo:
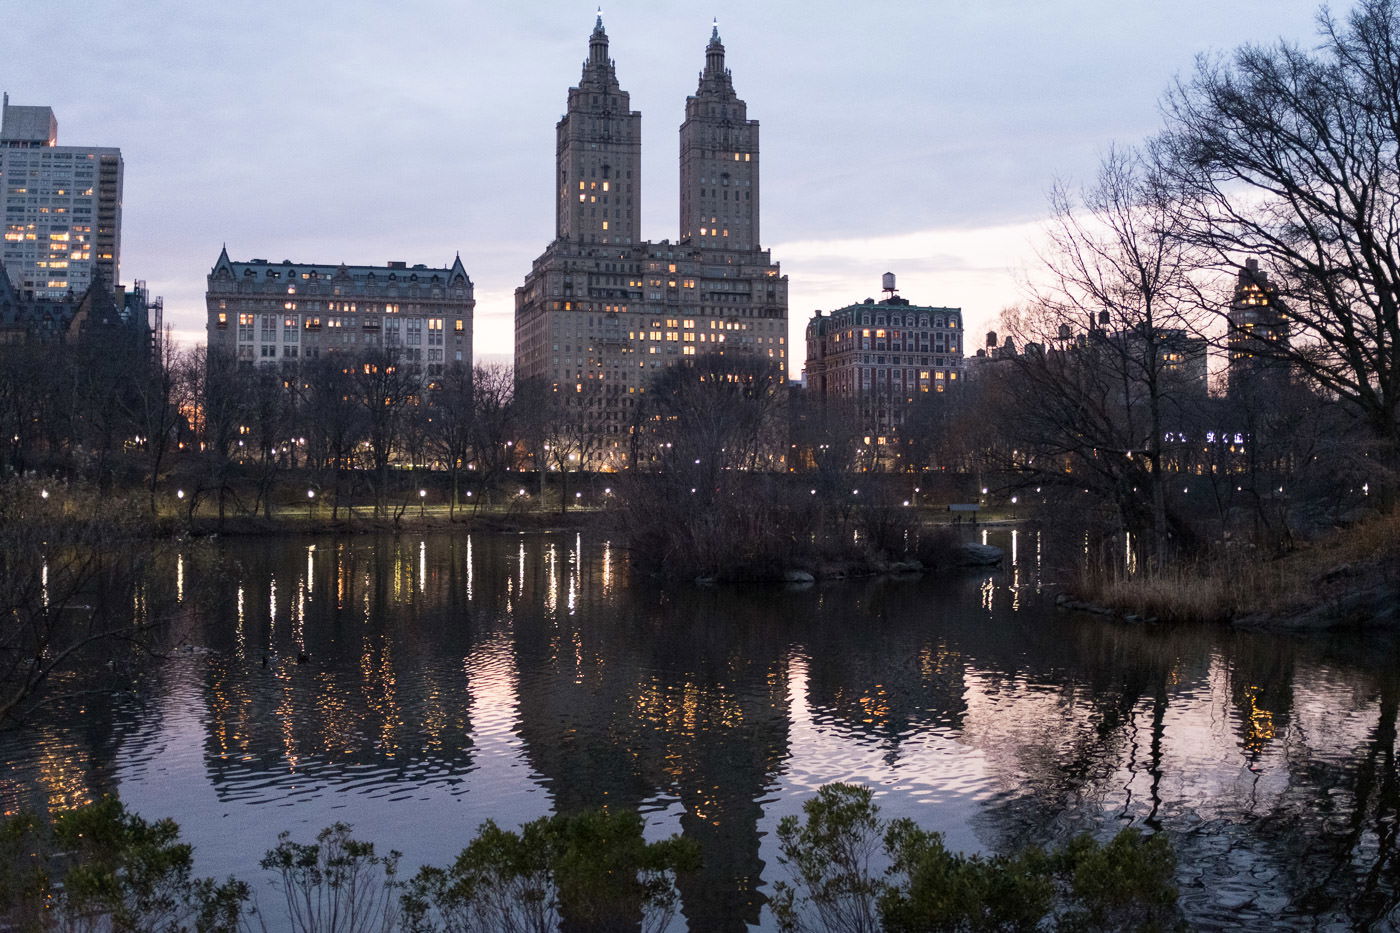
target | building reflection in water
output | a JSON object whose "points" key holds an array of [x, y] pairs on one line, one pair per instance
{"points": [[417, 686]]}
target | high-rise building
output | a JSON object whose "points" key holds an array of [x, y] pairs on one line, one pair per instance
{"points": [[62, 206], [1258, 335], [282, 313], [599, 155], [879, 356], [602, 310], [719, 161]]}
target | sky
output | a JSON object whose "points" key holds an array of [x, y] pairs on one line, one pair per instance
{"points": [[918, 138]]}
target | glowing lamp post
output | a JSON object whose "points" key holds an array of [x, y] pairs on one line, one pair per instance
{"points": [[310, 504]]}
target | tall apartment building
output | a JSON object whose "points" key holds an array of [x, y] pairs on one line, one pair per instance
{"points": [[282, 313], [62, 206], [879, 356], [602, 310], [1258, 331]]}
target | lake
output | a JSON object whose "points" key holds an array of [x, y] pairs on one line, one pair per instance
{"points": [[415, 686]]}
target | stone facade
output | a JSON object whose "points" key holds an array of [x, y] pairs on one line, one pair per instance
{"points": [[283, 313], [880, 356], [602, 310]]}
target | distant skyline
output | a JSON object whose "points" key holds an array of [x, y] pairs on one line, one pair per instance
{"points": [[918, 139]]}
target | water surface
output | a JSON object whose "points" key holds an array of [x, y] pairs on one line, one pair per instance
{"points": [[447, 679]]}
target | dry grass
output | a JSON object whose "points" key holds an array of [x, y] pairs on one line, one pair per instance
{"points": [[1364, 555]]}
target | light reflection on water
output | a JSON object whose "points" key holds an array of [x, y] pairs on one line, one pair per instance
{"points": [[424, 684]]}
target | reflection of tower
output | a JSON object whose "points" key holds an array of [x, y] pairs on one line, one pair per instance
{"points": [[856, 683], [658, 700], [1258, 333]]}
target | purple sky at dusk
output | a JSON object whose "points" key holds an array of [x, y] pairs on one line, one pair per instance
{"points": [[918, 138]]}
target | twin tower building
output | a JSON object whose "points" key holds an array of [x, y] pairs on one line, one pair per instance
{"points": [[602, 310]]}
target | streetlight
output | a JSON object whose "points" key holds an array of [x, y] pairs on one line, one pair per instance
{"points": [[422, 504], [43, 493], [310, 503]]}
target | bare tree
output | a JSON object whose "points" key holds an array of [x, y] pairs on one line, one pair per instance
{"points": [[494, 417], [716, 412], [269, 410], [1101, 389], [452, 425], [157, 411], [571, 432], [65, 585], [1290, 154], [334, 421], [384, 389], [210, 384]]}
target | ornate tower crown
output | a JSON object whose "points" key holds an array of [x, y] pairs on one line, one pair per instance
{"points": [[719, 161], [598, 155]]}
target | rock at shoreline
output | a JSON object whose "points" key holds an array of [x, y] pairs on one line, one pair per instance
{"points": [[1359, 607], [977, 555], [798, 576]]}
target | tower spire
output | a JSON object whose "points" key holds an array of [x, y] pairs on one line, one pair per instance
{"points": [[598, 44], [714, 53]]}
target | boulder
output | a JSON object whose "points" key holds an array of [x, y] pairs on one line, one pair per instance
{"points": [[977, 555]]}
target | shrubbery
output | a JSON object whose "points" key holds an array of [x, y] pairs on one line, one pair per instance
{"points": [[100, 868], [1125, 884]]}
